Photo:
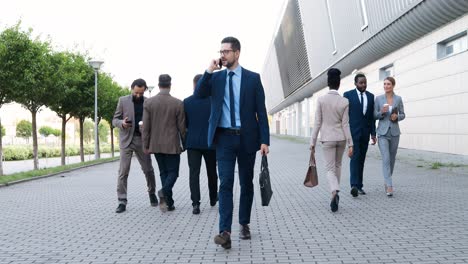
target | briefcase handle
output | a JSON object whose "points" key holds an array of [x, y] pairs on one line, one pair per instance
{"points": [[264, 164], [312, 159]]}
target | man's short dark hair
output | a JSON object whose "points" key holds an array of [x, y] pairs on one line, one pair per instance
{"points": [[140, 83], [359, 75], [164, 81], [235, 44]]}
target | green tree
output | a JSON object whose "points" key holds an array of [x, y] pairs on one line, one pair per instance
{"points": [[103, 130], [29, 63], [6, 76], [24, 129], [109, 94], [47, 131], [2, 131], [88, 131], [72, 76]]}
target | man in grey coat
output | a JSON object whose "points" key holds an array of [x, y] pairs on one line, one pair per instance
{"points": [[163, 134], [128, 114]]}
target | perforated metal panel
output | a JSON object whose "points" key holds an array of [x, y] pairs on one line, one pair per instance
{"points": [[291, 50]]}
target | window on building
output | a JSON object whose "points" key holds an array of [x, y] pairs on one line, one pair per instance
{"points": [[331, 27], [364, 21], [386, 71], [452, 45]]}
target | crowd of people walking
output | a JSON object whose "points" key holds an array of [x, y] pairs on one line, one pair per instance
{"points": [[225, 121]]}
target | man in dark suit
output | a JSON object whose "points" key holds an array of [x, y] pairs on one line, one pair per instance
{"points": [[362, 124], [127, 115], [238, 127], [197, 113], [163, 132]]}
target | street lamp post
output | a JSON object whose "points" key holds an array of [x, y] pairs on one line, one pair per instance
{"points": [[150, 88], [96, 65]]}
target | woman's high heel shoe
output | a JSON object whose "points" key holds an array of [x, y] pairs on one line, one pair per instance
{"points": [[389, 191]]}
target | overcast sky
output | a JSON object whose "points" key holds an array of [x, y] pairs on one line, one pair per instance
{"points": [[144, 38]]}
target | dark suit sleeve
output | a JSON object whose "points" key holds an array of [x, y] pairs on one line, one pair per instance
{"points": [[262, 114], [145, 134], [204, 86]]}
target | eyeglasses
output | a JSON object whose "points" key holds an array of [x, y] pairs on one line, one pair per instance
{"points": [[225, 52]]}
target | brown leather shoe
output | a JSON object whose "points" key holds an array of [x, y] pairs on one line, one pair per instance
{"points": [[245, 232], [162, 201], [223, 239]]}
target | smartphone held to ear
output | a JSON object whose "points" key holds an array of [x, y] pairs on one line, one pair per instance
{"points": [[220, 63]]}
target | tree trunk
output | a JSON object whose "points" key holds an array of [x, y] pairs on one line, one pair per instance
{"points": [[112, 141], [34, 136], [81, 139], [1, 150], [62, 152]]}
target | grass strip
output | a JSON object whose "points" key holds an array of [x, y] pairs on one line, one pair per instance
{"points": [[52, 170]]}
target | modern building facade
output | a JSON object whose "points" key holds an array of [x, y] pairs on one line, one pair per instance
{"points": [[422, 43]]}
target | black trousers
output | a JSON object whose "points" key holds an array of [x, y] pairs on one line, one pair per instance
{"points": [[194, 160], [169, 172]]}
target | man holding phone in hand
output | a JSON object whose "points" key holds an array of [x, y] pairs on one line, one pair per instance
{"points": [[128, 114], [238, 127]]}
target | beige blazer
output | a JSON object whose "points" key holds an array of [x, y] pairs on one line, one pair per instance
{"points": [[332, 119], [125, 108], [163, 124]]}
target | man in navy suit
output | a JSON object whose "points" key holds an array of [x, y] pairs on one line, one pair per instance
{"points": [[238, 127], [197, 113], [362, 124]]}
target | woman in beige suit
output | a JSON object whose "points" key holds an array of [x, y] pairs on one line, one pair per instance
{"points": [[332, 120]]}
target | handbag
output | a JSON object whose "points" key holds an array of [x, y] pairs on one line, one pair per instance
{"points": [[311, 178], [264, 182]]}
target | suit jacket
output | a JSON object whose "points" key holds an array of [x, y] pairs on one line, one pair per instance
{"points": [[125, 108], [254, 121], [332, 119], [362, 126], [163, 124], [384, 119], [197, 114]]}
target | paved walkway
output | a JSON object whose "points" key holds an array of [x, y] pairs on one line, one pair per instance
{"points": [[71, 219]]}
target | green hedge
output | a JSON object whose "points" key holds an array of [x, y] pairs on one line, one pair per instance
{"points": [[23, 152]]}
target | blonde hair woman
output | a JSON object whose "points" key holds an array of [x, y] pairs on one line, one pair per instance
{"points": [[389, 110]]}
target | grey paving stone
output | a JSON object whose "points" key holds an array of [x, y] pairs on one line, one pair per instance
{"points": [[72, 219]]}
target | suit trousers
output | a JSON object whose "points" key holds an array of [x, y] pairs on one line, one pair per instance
{"points": [[194, 157], [228, 149], [169, 172], [333, 155], [360, 146], [388, 146], [136, 146]]}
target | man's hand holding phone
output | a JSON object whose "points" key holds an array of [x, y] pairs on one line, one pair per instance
{"points": [[215, 65], [127, 123]]}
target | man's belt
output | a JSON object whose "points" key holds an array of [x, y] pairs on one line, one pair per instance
{"points": [[229, 131]]}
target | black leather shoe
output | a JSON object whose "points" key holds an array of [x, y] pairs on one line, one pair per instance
{"points": [[170, 207], [223, 239], [354, 192], [121, 208], [213, 202], [196, 209], [334, 203], [153, 199], [162, 201], [245, 232], [361, 192]]}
